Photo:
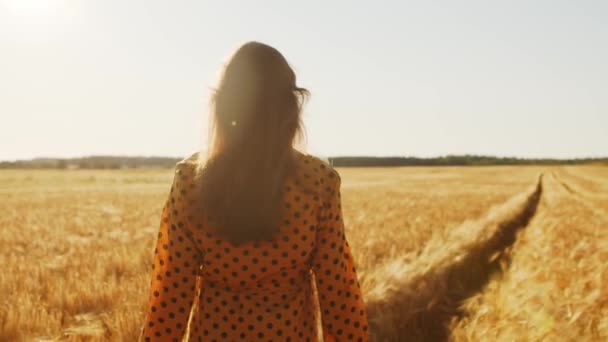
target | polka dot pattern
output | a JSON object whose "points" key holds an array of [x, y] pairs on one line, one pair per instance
{"points": [[257, 291]]}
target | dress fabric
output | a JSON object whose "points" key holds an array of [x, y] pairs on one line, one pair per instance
{"points": [[257, 291]]}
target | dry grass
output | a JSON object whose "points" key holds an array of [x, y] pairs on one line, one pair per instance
{"points": [[76, 250], [415, 300], [554, 287], [77, 245], [393, 213]]}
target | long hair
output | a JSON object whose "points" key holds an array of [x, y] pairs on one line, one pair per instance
{"points": [[256, 119]]}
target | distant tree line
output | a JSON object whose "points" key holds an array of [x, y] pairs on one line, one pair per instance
{"points": [[117, 162], [92, 162], [456, 160]]}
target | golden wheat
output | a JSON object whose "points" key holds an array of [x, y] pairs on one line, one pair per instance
{"points": [[554, 284], [76, 248]]}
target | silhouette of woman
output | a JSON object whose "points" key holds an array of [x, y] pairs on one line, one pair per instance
{"points": [[250, 229]]}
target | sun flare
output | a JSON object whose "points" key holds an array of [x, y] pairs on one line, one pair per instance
{"points": [[31, 7]]}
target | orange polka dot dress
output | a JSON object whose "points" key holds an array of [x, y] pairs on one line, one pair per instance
{"points": [[258, 291]]}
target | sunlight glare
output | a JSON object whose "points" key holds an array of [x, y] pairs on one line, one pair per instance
{"points": [[31, 7], [37, 21]]}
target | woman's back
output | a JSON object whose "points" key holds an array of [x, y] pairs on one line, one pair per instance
{"points": [[259, 290]]}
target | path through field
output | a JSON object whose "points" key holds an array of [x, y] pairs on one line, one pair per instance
{"points": [[550, 285], [554, 282], [415, 301]]}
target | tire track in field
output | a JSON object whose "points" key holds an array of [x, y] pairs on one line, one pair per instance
{"points": [[580, 198], [585, 177], [417, 302], [563, 184]]}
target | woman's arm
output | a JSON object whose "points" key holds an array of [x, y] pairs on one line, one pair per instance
{"points": [[342, 307], [175, 267]]}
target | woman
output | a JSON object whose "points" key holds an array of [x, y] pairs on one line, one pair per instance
{"points": [[249, 231]]}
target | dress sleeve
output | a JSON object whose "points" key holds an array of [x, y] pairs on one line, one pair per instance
{"points": [[342, 308], [175, 267]]}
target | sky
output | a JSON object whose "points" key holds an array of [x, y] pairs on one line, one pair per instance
{"points": [[399, 78]]}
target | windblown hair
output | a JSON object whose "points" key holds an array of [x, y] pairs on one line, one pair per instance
{"points": [[255, 113]]}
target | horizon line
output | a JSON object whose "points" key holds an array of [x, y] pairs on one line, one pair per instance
{"points": [[323, 156]]}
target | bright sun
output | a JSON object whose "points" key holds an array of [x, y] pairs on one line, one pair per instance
{"points": [[38, 20], [30, 7]]}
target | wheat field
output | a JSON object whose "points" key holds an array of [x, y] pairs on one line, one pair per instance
{"points": [[447, 253]]}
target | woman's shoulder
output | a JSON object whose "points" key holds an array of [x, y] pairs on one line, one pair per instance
{"points": [[192, 161], [316, 168], [186, 169]]}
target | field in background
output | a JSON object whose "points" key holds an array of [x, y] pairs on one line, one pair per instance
{"points": [[463, 253]]}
